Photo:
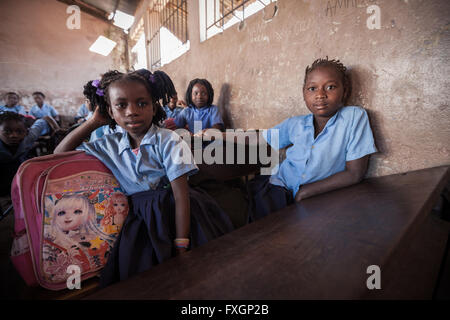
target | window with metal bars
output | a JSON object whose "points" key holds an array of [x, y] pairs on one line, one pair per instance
{"points": [[167, 31], [218, 15]]}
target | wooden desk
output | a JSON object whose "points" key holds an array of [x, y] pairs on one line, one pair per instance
{"points": [[319, 249]]}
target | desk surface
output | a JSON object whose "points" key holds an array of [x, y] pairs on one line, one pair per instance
{"points": [[318, 249]]}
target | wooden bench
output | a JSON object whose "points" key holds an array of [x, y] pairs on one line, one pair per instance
{"points": [[317, 249]]}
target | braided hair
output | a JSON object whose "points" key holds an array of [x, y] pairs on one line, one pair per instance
{"points": [[341, 70], [158, 84], [204, 83]]}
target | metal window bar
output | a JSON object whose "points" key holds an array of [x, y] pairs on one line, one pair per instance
{"points": [[171, 14], [174, 18], [227, 11]]}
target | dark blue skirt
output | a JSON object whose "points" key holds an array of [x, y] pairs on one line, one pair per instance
{"points": [[146, 238], [265, 198]]}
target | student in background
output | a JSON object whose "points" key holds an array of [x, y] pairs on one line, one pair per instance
{"points": [[41, 109], [12, 100], [152, 165], [199, 98], [84, 112], [16, 142], [172, 109], [174, 106]]}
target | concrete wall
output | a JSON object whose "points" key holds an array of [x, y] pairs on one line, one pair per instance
{"points": [[400, 71], [39, 53]]}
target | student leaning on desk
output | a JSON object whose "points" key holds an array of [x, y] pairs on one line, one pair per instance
{"points": [[330, 147]]}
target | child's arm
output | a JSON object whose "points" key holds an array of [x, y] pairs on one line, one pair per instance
{"points": [[182, 208], [218, 126], [353, 173], [77, 136]]}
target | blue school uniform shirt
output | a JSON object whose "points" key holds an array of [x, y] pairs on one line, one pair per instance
{"points": [[16, 109], [162, 153], [209, 116], [46, 110], [103, 131], [347, 136], [83, 112], [172, 113]]}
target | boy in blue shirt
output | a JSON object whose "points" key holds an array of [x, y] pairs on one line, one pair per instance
{"points": [[41, 109]]}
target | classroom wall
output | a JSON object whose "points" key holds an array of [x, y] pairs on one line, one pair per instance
{"points": [[400, 71], [39, 52]]}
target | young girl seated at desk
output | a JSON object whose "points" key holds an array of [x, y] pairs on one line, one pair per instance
{"points": [[152, 165], [199, 98], [329, 148]]}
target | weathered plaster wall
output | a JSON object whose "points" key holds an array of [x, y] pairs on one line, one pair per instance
{"points": [[400, 72], [39, 53]]}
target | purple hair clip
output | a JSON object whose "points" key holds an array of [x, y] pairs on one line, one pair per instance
{"points": [[96, 83], [99, 92], [152, 78]]}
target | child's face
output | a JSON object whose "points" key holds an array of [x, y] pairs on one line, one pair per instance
{"points": [[323, 92], [199, 95], [70, 218], [131, 106], [173, 102], [12, 100], [38, 99], [120, 206], [12, 132]]}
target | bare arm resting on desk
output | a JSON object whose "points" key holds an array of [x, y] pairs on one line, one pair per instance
{"points": [[353, 173], [182, 208]]}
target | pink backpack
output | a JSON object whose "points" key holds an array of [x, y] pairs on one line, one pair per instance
{"points": [[68, 210]]}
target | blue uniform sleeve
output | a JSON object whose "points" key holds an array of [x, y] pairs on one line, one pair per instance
{"points": [[32, 112], [39, 128], [278, 137], [215, 116], [361, 142], [180, 119], [92, 149], [177, 157], [22, 110]]}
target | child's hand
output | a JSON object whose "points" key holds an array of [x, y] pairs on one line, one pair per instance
{"points": [[298, 196], [181, 103], [99, 119]]}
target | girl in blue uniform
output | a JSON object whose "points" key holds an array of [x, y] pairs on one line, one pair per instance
{"points": [[152, 165], [199, 98], [329, 149]]}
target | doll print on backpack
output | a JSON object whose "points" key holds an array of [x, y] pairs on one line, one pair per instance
{"points": [[80, 228]]}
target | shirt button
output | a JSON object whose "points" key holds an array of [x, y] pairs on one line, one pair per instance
{"points": [[312, 147], [303, 176]]}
